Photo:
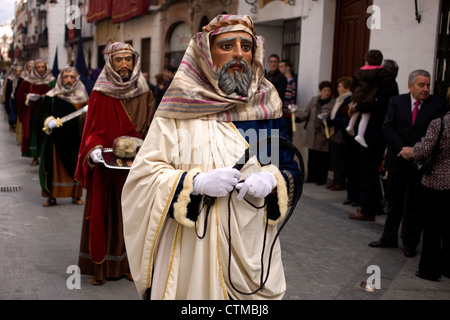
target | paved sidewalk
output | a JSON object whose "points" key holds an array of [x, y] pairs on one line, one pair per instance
{"points": [[326, 256]]}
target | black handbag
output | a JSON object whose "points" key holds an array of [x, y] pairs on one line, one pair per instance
{"points": [[424, 166]]}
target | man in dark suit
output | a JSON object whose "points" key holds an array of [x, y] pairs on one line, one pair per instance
{"points": [[276, 77], [405, 192]]}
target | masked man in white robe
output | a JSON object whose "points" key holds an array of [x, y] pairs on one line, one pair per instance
{"points": [[218, 104]]}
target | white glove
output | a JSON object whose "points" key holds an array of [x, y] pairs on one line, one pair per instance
{"points": [[322, 116], [216, 183], [96, 155], [258, 185], [52, 124]]}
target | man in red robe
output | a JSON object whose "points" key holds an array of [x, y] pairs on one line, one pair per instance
{"points": [[120, 105], [28, 98]]}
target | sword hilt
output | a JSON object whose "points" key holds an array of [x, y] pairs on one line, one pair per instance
{"points": [[59, 123]]}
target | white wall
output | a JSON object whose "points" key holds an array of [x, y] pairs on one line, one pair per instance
{"points": [[273, 41], [148, 26], [401, 38], [56, 26], [269, 22], [316, 49]]}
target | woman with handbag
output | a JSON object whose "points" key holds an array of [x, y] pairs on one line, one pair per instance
{"points": [[435, 257]]}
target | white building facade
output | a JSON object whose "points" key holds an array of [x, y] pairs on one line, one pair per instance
{"points": [[325, 39], [392, 28], [6, 38]]}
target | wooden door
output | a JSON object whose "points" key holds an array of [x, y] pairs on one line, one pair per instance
{"points": [[351, 39], [442, 75]]}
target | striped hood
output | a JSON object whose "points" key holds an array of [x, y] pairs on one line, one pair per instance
{"points": [[109, 81]]}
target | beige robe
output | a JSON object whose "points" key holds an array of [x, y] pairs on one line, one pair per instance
{"points": [[165, 253]]}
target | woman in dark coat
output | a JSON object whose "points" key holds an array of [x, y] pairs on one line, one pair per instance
{"points": [[316, 140]]}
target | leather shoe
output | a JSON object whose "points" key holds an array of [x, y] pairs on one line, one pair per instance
{"points": [[426, 276], [49, 202], [96, 282], [410, 253], [359, 210], [77, 201], [360, 217], [382, 244], [337, 187]]}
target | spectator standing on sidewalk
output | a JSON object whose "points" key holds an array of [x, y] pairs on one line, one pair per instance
{"points": [[405, 190], [371, 158], [338, 120], [290, 96], [276, 77], [435, 256], [315, 138]]}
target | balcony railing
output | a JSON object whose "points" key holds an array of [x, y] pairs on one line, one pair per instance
{"points": [[42, 15]]}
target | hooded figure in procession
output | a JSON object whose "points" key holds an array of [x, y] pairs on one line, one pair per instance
{"points": [[10, 85], [178, 243], [61, 141], [119, 105], [36, 83]]}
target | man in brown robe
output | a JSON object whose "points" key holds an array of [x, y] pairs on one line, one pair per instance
{"points": [[120, 104]]}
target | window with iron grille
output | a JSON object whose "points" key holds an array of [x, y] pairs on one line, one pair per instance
{"points": [[291, 42], [145, 54]]}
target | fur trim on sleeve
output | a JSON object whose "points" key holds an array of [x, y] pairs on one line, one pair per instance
{"points": [[282, 192], [180, 208]]}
